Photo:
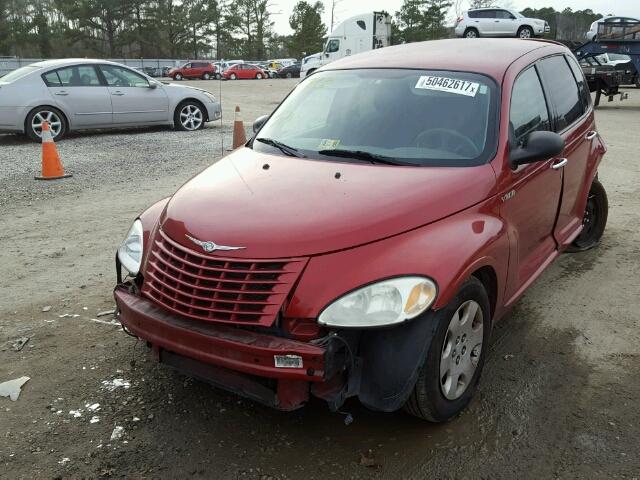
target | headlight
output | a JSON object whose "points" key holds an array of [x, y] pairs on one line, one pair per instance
{"points": [[211, 98], [380, 304], [130, 252]]}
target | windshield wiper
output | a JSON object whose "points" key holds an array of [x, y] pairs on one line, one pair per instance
{"points": [[286, 149], [363, 155]]}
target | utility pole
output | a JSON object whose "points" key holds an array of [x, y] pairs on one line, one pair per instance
{"points": [[333, 9]]}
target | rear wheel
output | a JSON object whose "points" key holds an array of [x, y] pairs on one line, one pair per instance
{"points": [[455, 358], [53, 116], [189, 116], [594, 221], [525, 32], [471, 33]]}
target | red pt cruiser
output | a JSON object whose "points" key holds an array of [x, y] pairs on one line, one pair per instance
{"points": [[380, 221]]}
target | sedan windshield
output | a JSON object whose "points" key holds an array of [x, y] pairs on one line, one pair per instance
{"points": [[19, 73], [402, 117]]}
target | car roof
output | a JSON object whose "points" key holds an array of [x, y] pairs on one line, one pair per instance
{"points": [[490, 56], [61, 62]]}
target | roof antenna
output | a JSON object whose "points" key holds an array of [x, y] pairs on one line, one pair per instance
{"points": [[220, 97]]}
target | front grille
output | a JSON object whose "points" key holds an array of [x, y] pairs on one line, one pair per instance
{"points": [[217, 289]]}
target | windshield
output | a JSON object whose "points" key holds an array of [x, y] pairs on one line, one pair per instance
{"points": [[416, 117], [19, 73]]}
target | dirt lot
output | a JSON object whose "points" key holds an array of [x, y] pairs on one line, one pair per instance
{"points": [[559, 396]]}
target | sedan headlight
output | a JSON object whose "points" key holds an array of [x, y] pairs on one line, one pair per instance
{"points": [[130, 252], [211, 98], [381, 304]]}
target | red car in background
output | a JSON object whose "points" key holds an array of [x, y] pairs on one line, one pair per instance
{"points": [[193, 70], [245, 71], [390, 210]]}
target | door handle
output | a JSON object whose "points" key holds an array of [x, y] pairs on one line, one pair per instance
{"points": [[496, 21], [62, 94], [118, 93], [591, 135], [560, 163]]}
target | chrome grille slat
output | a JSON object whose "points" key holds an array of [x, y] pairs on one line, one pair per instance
{"points": [[217, 289]]}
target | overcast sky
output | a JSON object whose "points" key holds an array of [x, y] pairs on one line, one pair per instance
{"points": [[346, 8]]}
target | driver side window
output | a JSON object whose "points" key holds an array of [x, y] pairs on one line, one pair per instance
{"points": [[333, 45], [528, 106], [122, 77]]}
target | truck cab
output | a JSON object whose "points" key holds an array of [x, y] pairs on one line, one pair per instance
{"points": [[357, 34]]}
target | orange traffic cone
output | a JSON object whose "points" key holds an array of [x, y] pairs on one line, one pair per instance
{"points": [[239, 136], [51, 165]]}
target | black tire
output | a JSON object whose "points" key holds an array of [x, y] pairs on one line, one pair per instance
{"points": [[289, 74], [218, 76], [258, 76], [471, 33], [177, 122], [178, 77], [34, 134], [525, 33], [233, 76], [427, 400], [595, 219], [206, 76]]}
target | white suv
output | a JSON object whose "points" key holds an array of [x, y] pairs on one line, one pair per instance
{"points": [[499, 22]]}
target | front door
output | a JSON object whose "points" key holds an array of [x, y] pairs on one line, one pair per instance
{"points": [[78, 91], [134, 99], [566, 85], [506, 23], [530, 194]]}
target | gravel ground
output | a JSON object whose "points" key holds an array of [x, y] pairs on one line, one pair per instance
{"points": [[558, 397]]}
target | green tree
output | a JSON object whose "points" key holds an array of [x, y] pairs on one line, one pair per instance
{"points": [[309, 31], [420, 20]]}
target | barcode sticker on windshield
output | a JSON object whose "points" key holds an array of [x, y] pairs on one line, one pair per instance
{"points": [[451, 85]]}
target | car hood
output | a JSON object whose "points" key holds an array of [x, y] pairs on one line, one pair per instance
{"points": [[281, 207]]}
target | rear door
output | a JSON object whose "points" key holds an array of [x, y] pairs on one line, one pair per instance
{"points": [[134, 99], [80, 93], [531, 197], [574, 120]]}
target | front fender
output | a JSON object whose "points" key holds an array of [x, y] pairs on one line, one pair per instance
{"points": [[448, 251]]}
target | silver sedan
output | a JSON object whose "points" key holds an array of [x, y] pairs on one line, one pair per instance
{"points": [[78, 94]]}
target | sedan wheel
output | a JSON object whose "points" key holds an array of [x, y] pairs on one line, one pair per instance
{"points": [[50, 115], [233, 76], [189, 117], [289, 75], [178, 77], [206, 76], [259, 76], [594, 220]]}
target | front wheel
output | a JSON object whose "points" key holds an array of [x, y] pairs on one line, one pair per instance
{"points": [[595, 219], [178, 76], [525, 33], [233, 76], [451, 371], [189, 116], [259, 76], [289, 74]]}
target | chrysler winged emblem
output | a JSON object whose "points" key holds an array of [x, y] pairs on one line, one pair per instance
{"points": [[209, 246]]}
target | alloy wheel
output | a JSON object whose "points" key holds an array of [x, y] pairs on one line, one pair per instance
{"points": [[525, 33], [461, 349], [54, 121], [471, 34], [191, 117]]}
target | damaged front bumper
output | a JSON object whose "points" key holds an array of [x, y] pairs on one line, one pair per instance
{"points": [[241, 361]]}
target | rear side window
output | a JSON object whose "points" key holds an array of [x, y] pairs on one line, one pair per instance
{"points": [[78, 76], [473, 14], [528, 106], [583, 87], [51, 79], [487, 14], [563, 91]]}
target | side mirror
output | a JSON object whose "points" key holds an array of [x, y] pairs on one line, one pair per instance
{"points": [[537, 146], [259, 122], [153, 85], [326, 55]]}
